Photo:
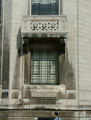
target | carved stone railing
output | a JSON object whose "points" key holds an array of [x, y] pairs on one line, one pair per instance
{"points": [[53, 26]]}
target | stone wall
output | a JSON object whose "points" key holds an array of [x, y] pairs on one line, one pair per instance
{"points": [[6, 23], [77, 59], [84, 51]]}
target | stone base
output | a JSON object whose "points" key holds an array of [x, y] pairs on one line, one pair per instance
{"points": [[41, 115]]}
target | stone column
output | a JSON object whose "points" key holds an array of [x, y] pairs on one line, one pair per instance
{"points": [[62, 65], [27, 64]]}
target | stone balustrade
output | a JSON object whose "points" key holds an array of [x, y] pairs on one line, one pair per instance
{"points": [[48, 26]]}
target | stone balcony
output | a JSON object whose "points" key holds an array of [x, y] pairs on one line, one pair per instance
{"points": [[44, 26]]}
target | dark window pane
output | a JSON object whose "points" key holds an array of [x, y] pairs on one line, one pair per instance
{"points": [[36, 9], [54, 9], [44, 7]]}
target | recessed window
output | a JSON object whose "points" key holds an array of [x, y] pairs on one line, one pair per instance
{"points": [[45, 7], [44, 67]]}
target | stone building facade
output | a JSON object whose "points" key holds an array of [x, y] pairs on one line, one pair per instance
{"points": [[45, 48]]}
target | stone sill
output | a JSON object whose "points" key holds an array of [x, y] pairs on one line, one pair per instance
{"points": [[45, 91]]}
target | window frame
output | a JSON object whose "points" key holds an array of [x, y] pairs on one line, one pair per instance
{"points": [[49, 82], [60, 8]]}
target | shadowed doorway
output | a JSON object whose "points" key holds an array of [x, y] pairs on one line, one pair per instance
{"points": [[46, 118]]}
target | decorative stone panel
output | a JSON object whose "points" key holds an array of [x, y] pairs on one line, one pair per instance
{"points": [[44, 25]]}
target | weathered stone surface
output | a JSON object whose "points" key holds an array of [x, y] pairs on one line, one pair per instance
{"points": [[15, 95], [71, 94], [44, 94]]}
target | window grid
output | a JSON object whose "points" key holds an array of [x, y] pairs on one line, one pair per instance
{"points": [[44, 76]]}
